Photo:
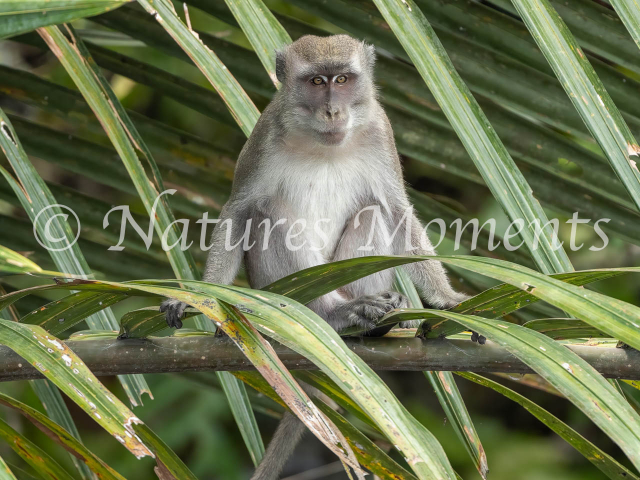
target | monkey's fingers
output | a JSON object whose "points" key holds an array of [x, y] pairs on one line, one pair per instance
{"points": [[173, 310]]}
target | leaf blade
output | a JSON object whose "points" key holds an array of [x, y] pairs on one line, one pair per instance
{"points": [[629, 12], [13, 262], [603, 461], [334, 358], [238, 102], [63, 437], [24, 16], [122, 132], [367, 452], [5, 472], [40, 204], [563, 328], [585, 90], [447, 392], [490, 156], [55, 407], [607, 314], [64, 368], [569, 374], [263, 30], [41, 462], [59, 364]]}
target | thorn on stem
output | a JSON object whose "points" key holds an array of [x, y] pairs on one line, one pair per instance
{"points": [[186, 15]]}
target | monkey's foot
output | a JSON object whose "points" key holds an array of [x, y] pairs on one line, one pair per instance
{"points": [[366, 311], [174, 311]]}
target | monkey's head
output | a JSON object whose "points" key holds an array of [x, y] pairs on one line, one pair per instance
{"points": [[327, 86]]}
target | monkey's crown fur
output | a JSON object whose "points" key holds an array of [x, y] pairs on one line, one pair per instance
{"points": [[320, 52]]}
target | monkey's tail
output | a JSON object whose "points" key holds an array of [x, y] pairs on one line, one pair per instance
{"points": [[284, 441]]}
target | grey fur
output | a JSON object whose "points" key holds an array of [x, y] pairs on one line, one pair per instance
{"points": [[284, 441], [322, 151]]}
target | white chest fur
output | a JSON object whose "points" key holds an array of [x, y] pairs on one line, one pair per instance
{"points": [[321, 189]]}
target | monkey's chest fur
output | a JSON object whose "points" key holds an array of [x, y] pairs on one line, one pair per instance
{"points": [[317, 196]]}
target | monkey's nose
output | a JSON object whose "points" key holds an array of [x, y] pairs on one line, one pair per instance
{"points": [[332, 112]]}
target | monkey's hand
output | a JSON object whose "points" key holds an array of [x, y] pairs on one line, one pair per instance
{"points": [[174, 310], [366, 312]]}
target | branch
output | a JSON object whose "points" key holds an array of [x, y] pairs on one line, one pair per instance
{"points": [[208, 353]]}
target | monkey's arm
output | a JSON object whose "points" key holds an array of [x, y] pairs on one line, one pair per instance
{"points": [[223, 261]]}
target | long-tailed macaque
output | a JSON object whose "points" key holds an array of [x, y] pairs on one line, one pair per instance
{"points": [[319, 180]]}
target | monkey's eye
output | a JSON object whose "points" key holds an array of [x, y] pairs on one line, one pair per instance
{"points": [[341, 78], [317, 80]]}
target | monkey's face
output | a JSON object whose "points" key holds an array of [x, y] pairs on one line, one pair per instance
{"points": [[327, 101], [330, 103], [328, 87]]}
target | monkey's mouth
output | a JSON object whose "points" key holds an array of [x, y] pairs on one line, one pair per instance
{"points": [[333, 137]]}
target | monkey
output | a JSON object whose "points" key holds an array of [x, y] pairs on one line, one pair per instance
{"points": [[322, 152]]}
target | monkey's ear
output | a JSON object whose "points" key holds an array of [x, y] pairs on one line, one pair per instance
{"points": [[280, 65], [370, 55]]}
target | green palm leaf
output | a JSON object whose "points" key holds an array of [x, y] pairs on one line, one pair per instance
{"points": [[483, 145], [563, 328], [449, 396], [605, 463], [570, 375], [5, 472], [37, 458], [59, 364], [263, 31], [239, 104], [44, 211], [629, 12], [57, 410], [367, 452], [19, 16], [607, 314], [63, 437], [53, 403], [585, 90], [300, 329], [13, 262]]}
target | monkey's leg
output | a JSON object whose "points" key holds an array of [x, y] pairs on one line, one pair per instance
{"points": [[371, 296], [274, 256]]}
